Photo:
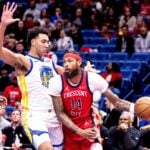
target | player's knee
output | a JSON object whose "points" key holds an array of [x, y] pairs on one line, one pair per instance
{"points": [[45, 146]]}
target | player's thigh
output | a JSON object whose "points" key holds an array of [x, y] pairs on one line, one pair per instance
{"points": [[39, 132], [45, 146], [42, 141], [57, 138]]}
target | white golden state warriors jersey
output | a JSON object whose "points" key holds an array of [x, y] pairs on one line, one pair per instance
{"points": [[34, 85]]}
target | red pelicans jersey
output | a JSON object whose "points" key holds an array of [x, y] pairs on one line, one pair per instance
{"points": [[77, 102]]}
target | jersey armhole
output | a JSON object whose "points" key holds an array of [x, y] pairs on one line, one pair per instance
{"points": [[54, 67], [31, 62], [87, 81], [62, 84]]}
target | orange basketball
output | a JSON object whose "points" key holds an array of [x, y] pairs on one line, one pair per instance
{"points": [[142, 107]]}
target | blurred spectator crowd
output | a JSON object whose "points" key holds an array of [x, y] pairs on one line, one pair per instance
{"points": [[88, 26], [126, 20]]}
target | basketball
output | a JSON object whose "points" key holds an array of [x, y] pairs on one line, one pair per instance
{"points": [[142, 107]]}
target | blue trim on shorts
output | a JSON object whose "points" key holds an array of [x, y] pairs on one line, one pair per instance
{"points": [[58, 145], [37, 132]]}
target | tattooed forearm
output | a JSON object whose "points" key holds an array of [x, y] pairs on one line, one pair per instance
{"points": [[58, 106], [67, 122], [122, 105], [119, 104]]}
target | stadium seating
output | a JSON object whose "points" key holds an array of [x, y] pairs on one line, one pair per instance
{"points": [[60, 62], [9, 109], [99, 40], [108, 48], [126, 87], [113, 32], [132, 65], [118, 56], [146, 79], [127, 74], [113, 41], [98, 56], [143, 57], [87, 40], [83, 55], [101, 65], [76, 47], [146, 91], [90, 33], [60, 54]]}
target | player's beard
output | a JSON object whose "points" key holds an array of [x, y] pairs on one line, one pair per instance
{"points": [[71, 74]]}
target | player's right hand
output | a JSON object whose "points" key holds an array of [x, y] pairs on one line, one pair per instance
{"points": [[88, 133], [7, 14]]}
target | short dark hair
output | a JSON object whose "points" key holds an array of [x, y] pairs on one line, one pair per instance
{"points": [[34, 32], [73, 52]]}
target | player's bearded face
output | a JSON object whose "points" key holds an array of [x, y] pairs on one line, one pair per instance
{"points": [[72, 73]]}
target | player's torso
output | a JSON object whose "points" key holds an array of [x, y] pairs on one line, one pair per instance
{"points": [[77, 103], [77, 100], [34, 85]]}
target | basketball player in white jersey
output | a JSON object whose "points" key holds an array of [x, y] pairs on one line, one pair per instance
{"points": [[34, 73]]}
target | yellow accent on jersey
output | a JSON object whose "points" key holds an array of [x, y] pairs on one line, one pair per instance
{"points": [[24, 103]]}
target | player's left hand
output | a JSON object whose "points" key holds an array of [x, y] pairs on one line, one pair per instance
{"points": [[88, 133], [7, 14], [89, 67]]}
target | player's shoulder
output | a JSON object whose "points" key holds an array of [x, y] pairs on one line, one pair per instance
{"points": [[48, 60], [92, 74], [33, 59], [55, 81], [94, 77], [57, 77]]}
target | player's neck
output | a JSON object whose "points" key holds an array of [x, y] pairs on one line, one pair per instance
{"points": [[33, 53]]}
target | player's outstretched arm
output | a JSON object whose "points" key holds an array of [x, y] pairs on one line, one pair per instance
{"points": [[63, 117], [59, 69], [119, 104], [6, 19]]}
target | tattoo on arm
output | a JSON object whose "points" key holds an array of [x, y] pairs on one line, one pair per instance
{"points": [[119, 104], [62, 116], [123, 105]]}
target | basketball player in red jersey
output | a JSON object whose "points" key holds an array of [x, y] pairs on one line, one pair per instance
{"points": [[72, 95]]}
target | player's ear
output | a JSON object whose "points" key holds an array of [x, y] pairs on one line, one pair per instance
{"points": [[32, 42], [79, 62]]}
